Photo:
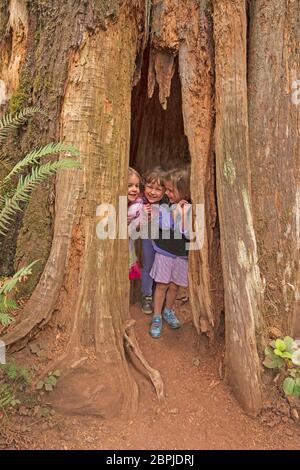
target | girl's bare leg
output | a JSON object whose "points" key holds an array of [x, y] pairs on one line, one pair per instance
{"points": [[159, 297], [171, 295]]}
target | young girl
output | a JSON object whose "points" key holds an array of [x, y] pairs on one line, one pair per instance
{"points": [[135, 207], [170, 267], [153, 194]]}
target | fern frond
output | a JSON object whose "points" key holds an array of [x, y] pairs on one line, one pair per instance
{"points": [[7, 305], [34, 156], [9, 284], [5, 319], [13, 120], [26, 185]]}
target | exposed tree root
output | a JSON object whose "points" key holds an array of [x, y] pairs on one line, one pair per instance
{"points": [[154, 375]]}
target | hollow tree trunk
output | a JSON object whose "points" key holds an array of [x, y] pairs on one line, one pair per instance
{"points": [[182, 43], [80, 61]]}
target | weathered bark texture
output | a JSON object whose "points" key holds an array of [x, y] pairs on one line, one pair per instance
{"points": [[13, 46], [95, 117], [242, 285], [274, 65], [196, 59], [13, 43]]}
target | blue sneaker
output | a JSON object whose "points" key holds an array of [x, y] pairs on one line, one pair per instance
{"points": [[171, 319], [156, 326]]}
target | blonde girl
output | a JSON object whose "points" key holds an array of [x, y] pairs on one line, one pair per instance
{"points": [[170, 267]]}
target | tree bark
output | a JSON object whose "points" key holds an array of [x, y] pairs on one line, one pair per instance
{"points": [[238, 245], [95, 118], [275, 156]]}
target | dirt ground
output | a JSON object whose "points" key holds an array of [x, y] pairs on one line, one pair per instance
{"points": [[199, 412]]}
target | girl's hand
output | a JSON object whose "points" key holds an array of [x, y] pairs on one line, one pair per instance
{"points": [[180, 208], [182, 203], [181, 213], [147, 209]]}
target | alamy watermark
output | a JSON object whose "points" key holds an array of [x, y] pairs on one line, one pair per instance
{"points": [[296, 92], [2, 352], [174, 222]]}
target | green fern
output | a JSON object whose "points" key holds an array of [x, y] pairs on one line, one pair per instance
{"points": [[13, 120], [5, 319], [34, 156], [6, 395], [7, 305], [11, 197], [9, 284], [15, 372], [26, 185]]}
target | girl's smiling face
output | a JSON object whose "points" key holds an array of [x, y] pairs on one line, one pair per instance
{"points": [[154, 192], [133, 188], [172, 192]]}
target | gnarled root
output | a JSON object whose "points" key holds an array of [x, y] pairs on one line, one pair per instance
{"points": [[132, 343]]}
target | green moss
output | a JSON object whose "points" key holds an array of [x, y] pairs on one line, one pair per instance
{"points": [[21, 95], [35, 237], [3, 16]]}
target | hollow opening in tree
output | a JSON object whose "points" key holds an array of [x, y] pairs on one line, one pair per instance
{"points": [[157, 135]]}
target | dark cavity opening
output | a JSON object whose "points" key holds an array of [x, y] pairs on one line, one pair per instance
{"points": [[157, 135]]}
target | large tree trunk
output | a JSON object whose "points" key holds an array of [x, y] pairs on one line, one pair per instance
{"points": [[77, 279], [274, 65], [239, 254], [208, 85]]}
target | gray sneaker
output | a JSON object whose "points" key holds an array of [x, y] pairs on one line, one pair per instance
{"points": [[147, 304], [170, 317]]}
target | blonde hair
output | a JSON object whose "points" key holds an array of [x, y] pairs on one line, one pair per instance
{"points": [[156, 175], [132, 171], [180, 179]]}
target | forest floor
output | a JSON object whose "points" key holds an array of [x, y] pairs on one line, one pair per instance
{"points": [[200, 411]]}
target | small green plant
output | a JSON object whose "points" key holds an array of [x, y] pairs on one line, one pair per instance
{"points": [[7, 286], [13, 380], [284, 354], [49, 382]]}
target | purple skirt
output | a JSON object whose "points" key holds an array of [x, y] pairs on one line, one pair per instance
{"points": [[166, 269]]}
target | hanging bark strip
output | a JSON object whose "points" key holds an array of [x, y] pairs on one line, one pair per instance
{"points": [[238, 244], [274, 120], [196, 65]]}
